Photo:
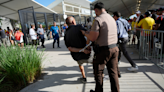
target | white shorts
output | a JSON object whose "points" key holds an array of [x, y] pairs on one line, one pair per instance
{"points": [[90, 60]]}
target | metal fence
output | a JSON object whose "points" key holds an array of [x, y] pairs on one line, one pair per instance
{"points": [[151, 46]]}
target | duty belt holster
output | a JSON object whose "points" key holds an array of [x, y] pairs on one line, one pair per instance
{"points": [[97, 48]]}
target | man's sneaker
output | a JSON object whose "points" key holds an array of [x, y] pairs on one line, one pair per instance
{"points": [[59, 47], [132, 69], [119, 75], [92, 90], [83, 80]]}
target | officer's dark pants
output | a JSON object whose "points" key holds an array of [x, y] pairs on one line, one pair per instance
{"points": [[110, 59], [122, 47]]}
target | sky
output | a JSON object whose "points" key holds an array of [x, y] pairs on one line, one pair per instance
{"points": [[132, 16], [47, 2]]}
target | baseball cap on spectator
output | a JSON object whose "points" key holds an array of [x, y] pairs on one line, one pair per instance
{"points": [[138, 12]]}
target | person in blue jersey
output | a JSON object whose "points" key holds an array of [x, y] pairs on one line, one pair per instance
{"points": [[54, 31]]}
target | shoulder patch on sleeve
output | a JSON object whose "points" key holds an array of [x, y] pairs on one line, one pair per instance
{"points": [[93, 22]]}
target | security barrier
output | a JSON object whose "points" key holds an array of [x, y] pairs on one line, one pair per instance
{"points": [[151, 46]]}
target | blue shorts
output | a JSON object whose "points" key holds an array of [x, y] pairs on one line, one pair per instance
{"points": [[42, 36], [56, 36]]}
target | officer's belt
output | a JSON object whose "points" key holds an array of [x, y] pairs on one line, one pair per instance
{"points": [[107, 47], [123, 39]]}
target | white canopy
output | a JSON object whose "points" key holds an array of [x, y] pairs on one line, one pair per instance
{"points": [[9, 8], [83, 4], [128, 7]]}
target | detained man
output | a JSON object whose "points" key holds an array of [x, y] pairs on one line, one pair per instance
{"points": [[75, 42]]}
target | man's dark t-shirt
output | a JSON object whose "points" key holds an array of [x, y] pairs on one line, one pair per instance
{"points": [[75, 38], [2, 34]]}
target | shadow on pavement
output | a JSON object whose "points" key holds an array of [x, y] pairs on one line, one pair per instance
{"points": [[65, 68], [59, 79]]}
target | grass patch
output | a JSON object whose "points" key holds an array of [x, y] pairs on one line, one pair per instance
{"points": [[18, 67]]}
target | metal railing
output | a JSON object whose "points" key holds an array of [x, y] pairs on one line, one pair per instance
{"points": [[151, 46]]}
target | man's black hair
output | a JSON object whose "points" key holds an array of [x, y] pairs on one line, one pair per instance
{"points": [[148, 13], [8, 28], [117, 14], [99, 5]]}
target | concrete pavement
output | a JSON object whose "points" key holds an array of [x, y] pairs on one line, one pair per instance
{"points": [[61, 73]]}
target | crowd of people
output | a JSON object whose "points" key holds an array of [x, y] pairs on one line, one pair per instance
{"points": [[150, 20], [13, 35], [16, 36]]}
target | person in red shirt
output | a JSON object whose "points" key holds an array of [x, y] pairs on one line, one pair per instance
{"points": [[19, 37]]}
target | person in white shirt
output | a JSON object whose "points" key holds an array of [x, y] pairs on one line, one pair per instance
{"points": [[89, 24], [33, 35]]}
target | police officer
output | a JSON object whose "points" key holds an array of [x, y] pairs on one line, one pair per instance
{"points": [[104, 34], [123, 27]]}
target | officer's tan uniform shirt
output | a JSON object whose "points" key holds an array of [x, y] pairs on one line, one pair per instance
{"points": [[107, 28]]}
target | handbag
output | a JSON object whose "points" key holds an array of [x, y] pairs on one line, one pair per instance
{"points": [[21, 39]]}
